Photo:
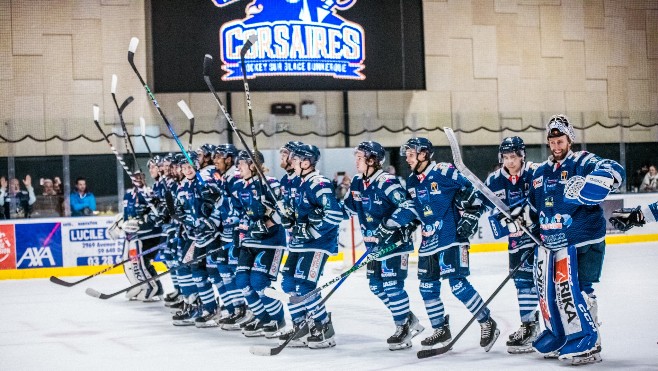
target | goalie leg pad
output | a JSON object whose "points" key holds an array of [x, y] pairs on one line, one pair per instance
{"points": [[576, 319], [552, 338]]}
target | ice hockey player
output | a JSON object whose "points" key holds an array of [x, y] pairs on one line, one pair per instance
{"points": [[449, 209], [226, 259], [139, 224], [195, 287], [386, 216], [314, 224], [565, 193], [262, 241], [627, 218], [511, 183]]}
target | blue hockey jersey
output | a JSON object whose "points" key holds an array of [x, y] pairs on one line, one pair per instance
{"points": [[382, 199], [226, 211], [434, 194], [562, 223], [512, 190], [137, 205], [256, 204], [317, 192]]}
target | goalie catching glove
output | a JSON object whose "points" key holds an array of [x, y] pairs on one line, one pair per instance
{"points": [[627, 218], [131, 226], [590, 190]]}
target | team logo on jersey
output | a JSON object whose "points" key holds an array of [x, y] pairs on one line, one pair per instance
{"points": [[427, 210], [563, 175], [558, 221], [537, 183], [369, 218], [377, 201], [434, 186], [412, 192], [299, 273], [423, 196], [367, 204], [548, 201], [356, 195], [386, 271], [500, 194], [295, 38], [429, 229], [445, 268]]}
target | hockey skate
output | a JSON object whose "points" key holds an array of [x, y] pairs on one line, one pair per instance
{"points": [[489, 332], [440, 338], [241, 316], [299, 340], [207, 319], [255, 328], [593, 356], [401, 339], [176, 307], [187, 316], [273, 328], [322, 335], [173, 298], [521, 340]]}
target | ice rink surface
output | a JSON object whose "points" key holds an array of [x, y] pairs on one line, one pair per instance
{"points": [[49, 327]]}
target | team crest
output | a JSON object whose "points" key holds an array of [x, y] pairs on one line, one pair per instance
{"points": [[434, 186]]}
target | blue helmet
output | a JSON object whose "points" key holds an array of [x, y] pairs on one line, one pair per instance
{"points": [[291, 145], [193, 156], [206, 150], [511, 145], [419, 145], [226, 150], [156, 160], [373, 150], [244, 155], [307, 152]]}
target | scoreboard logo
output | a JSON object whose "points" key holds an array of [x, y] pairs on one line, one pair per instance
{"points": [[295, 38]]}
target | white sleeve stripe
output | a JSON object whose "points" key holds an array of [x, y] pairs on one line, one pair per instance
{"points": [[391, 189], [322, 191], [455, 175], [584, 160]]}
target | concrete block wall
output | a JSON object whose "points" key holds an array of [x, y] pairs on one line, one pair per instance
{"points": [[489, 63]]}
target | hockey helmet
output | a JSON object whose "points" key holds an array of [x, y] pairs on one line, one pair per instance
{"points": [[419, 145], [511, 145], [206, 150], [226, 150], [307, 152], [155, 161], [373, 150], [290, 146], [558, 125], [246, 156]]}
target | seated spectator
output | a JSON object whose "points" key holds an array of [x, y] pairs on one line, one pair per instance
{"points": [[638, 176], [342, 184], [15, 202], [650, 182], [82, 202]]}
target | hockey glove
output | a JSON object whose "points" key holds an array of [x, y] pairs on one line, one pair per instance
{"points": [[131, 226], [114, 231], [502, 226], [467, 225], [302, 233], [204, 227], [384, 235], [238, 236], [591, 190], [258, 230], [315, 217], [627, 218]]}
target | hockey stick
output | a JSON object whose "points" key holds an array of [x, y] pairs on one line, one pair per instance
{"points": [[97, 294], [142, 126], [126, 137], [264, 350], [131, 59], [61, 282], [245, 48], [477, 183], [190, 116], [293, 299], [207, 62], [114, 150]]}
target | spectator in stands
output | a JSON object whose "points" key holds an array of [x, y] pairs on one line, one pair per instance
{"points": [[650, 182], [391, 170], [16, 203], [82, 202], [638, 177], [48, 187], [342, 184]]}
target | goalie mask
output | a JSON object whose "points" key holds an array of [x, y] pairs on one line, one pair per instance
{"points": [[559, 125]]}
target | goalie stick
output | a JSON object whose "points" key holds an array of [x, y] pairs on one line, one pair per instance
{"points": [[190, 116], [131, 59], [504, 209], [245, 48], [294, 299], [61, 282], [97, 294], [263, 350]]}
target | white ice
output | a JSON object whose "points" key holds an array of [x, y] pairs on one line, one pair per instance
{"points": [[46, 326]]}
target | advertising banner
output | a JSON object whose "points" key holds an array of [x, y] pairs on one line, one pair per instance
{"points": [[87, 242], [39, 245], [7, 247]]}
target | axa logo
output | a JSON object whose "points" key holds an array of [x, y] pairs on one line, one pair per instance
{"points": [[293, 38], [36, 257]]}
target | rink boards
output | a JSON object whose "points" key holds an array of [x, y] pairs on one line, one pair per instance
{"points": [[40, 248]]}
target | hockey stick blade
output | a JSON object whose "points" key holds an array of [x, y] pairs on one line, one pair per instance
{"points": [[91, 292], [126, 103], [250, 41], [434, 352], [276, 294], [60, 282], [263, 350]]}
